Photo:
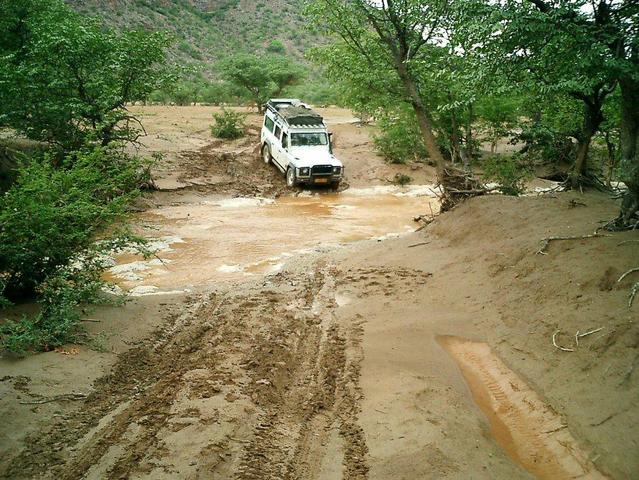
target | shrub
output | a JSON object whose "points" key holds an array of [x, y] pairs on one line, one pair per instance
{"points": [[61, 294], [228, 124], [276, 46], [49, 222], [508, 172], [400, 141], [402, 179]]}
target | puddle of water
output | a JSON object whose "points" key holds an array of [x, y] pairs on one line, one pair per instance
{"points": [[524, 426], [232, 238]]}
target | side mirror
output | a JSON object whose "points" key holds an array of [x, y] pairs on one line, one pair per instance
{"points": [[330, 142]]}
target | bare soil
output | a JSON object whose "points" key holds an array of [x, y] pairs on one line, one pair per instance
{"points": [[334, 367]]}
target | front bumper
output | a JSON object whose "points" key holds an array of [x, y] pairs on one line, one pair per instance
{"points": [[322, 174]]}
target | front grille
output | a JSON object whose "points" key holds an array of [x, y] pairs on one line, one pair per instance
{"points": [[322, 170]]}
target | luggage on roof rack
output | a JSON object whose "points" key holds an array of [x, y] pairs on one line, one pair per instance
{"points": [[294, 112], [301, 116]]}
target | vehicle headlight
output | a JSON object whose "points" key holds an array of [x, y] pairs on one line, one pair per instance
{"points": [[337, 170], [305, 171]]}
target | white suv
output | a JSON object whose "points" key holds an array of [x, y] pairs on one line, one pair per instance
{"points": [[296, 140]]}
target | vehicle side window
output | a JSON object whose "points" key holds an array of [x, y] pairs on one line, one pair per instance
{"points": [[278, 130], [284, 140], [269, 123]]}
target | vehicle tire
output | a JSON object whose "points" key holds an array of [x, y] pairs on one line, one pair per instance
{"points": [[291, 179], [335, 186], [266, 154]]}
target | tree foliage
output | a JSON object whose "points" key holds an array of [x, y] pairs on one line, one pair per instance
{"points": [[50, 221], [262, 77], [66, 79]]}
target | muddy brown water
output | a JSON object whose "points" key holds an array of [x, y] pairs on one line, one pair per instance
{"points": [[532, 434], [231, 238]]}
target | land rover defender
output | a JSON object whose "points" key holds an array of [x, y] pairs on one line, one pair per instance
{"points": [[295, 139]]}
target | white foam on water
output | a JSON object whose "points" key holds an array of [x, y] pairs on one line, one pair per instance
{"points": [[275, 268], [343, 207], [406, 191], [149, 290], [163, 244], [127, 271], [241, 202], [230, 268]]}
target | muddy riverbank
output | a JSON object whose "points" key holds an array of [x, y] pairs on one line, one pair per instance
{"points": [[300, 337]]}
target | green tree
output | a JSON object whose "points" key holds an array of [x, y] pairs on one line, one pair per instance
{"points": [[400, 33], [579, 48], [66, 79], [262, 77]]}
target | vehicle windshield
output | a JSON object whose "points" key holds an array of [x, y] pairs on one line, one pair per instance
{"points": [[308, 139]]}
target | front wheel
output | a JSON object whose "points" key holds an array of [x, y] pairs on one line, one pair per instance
{"points": [[291, 179], [335, 186], [266, 154]]}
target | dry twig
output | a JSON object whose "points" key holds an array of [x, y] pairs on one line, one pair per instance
{"points": [[577, 337], [418, 244], [546, 241], [554, 342], [627, 241], [632, 270], [635, 287], [633, 293]]}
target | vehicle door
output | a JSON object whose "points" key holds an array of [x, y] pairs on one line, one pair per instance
{"points": [[277, 151], [286, 156], [267, 129]]}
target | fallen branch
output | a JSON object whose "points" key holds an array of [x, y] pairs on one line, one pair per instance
{"points": [[633, 293], [581, 335], [635, 287], [546, 241], [596, 424], [560, 427], [627, 241], [636, 269], [64, 396], [554, 342], [418, 244], [590, 332]]}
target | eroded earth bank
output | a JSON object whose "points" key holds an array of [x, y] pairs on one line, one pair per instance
{"points": [[317, 335]]}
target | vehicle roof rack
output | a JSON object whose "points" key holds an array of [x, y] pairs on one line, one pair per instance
{"points": [[294, 112]]}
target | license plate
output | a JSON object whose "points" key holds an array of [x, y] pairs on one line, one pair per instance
{"points": [[321, 180]]}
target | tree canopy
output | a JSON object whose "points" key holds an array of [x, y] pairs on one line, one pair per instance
{"points": [[262, 77], [66, 79]]}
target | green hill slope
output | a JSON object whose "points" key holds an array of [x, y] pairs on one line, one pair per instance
{"points": [[207, 30]]}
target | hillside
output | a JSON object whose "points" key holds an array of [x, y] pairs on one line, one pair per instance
{"points": [[207, 30]]}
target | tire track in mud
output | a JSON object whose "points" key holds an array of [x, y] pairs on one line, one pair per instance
{"points": [[309, 408], [530, 431], [266, 374]]}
